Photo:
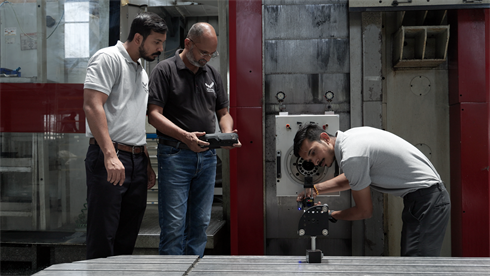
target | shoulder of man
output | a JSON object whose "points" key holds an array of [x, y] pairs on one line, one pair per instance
{"points": [[164, 67], [167, 64], [111, 50], [107, 52]]}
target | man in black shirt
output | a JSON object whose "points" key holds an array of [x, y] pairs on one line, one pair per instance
{"points": [[185, 96]]}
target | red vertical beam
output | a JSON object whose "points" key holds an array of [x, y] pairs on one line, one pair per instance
{"points": [[246, 164], [487, 70], [469, 93], [233, 156], [456, 195]]}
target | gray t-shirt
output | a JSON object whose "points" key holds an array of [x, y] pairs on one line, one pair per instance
{"points": [[112, 71], [370, 156]]}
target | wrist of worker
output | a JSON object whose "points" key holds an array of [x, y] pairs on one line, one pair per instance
{"points": [[186, 137], [331, 218], [316, 190], [190, 139]]}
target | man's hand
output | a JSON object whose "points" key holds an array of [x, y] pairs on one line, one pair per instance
{"points": [[194, 143], [309, 192], [115, 170], [151, 176], [237, 145]]}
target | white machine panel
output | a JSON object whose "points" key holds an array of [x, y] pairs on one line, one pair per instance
{"points": [[291, 170]]}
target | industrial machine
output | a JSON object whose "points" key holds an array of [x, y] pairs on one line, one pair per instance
{"points": [[294, 174], [314, 221], [292, 170]]}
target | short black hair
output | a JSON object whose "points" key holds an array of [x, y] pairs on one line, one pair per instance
{"points": [[146, 22], [311, 132]]}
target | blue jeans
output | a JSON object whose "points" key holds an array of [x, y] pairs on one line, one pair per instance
{"points": [[186, 182]]}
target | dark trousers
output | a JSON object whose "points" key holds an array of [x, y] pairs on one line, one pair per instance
{"points": [[425, 219], [114, 212]]}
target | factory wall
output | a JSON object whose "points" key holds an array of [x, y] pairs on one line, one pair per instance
{"points": [[416, 107]]}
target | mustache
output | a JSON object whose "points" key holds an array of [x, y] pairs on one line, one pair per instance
{"points": [[156, 53]]}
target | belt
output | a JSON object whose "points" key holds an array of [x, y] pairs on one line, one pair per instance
{"points": [[123, 147], [425, 191], [172, 143]]}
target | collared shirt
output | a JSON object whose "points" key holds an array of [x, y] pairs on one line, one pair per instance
{"points": [[112, 72], [377, 158], [188, 100]]}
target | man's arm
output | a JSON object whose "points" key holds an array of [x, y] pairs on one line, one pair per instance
{"points": [[336, 184], [226, 125], [362, 210], [93, 105], [165, 126], [362, 198], [225, 120], [151, 173]]}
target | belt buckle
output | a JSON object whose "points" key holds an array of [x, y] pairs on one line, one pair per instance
{"points": [[132, 149]]}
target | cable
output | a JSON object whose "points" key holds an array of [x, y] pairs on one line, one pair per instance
{"points": [[59, 21], [81, 220]]}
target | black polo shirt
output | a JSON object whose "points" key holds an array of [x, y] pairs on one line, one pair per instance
{"points": [[188, 100]]}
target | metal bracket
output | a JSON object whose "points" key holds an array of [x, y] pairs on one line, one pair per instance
{"points": [[278, 164], [395, 2]]}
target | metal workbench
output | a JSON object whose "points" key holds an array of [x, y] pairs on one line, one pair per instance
{"points": [[270, 265]]}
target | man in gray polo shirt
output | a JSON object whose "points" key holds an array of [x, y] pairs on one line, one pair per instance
{"points": [[117, 167], [373, 158]]}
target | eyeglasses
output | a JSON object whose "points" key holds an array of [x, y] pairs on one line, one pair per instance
{"points": [[205, 54]]}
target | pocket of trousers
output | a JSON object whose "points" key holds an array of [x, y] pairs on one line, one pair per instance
{"points": [[94, 159], [442, 199], [418, 209]]}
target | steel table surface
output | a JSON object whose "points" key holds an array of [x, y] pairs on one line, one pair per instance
{"points": [[271, 265]]}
